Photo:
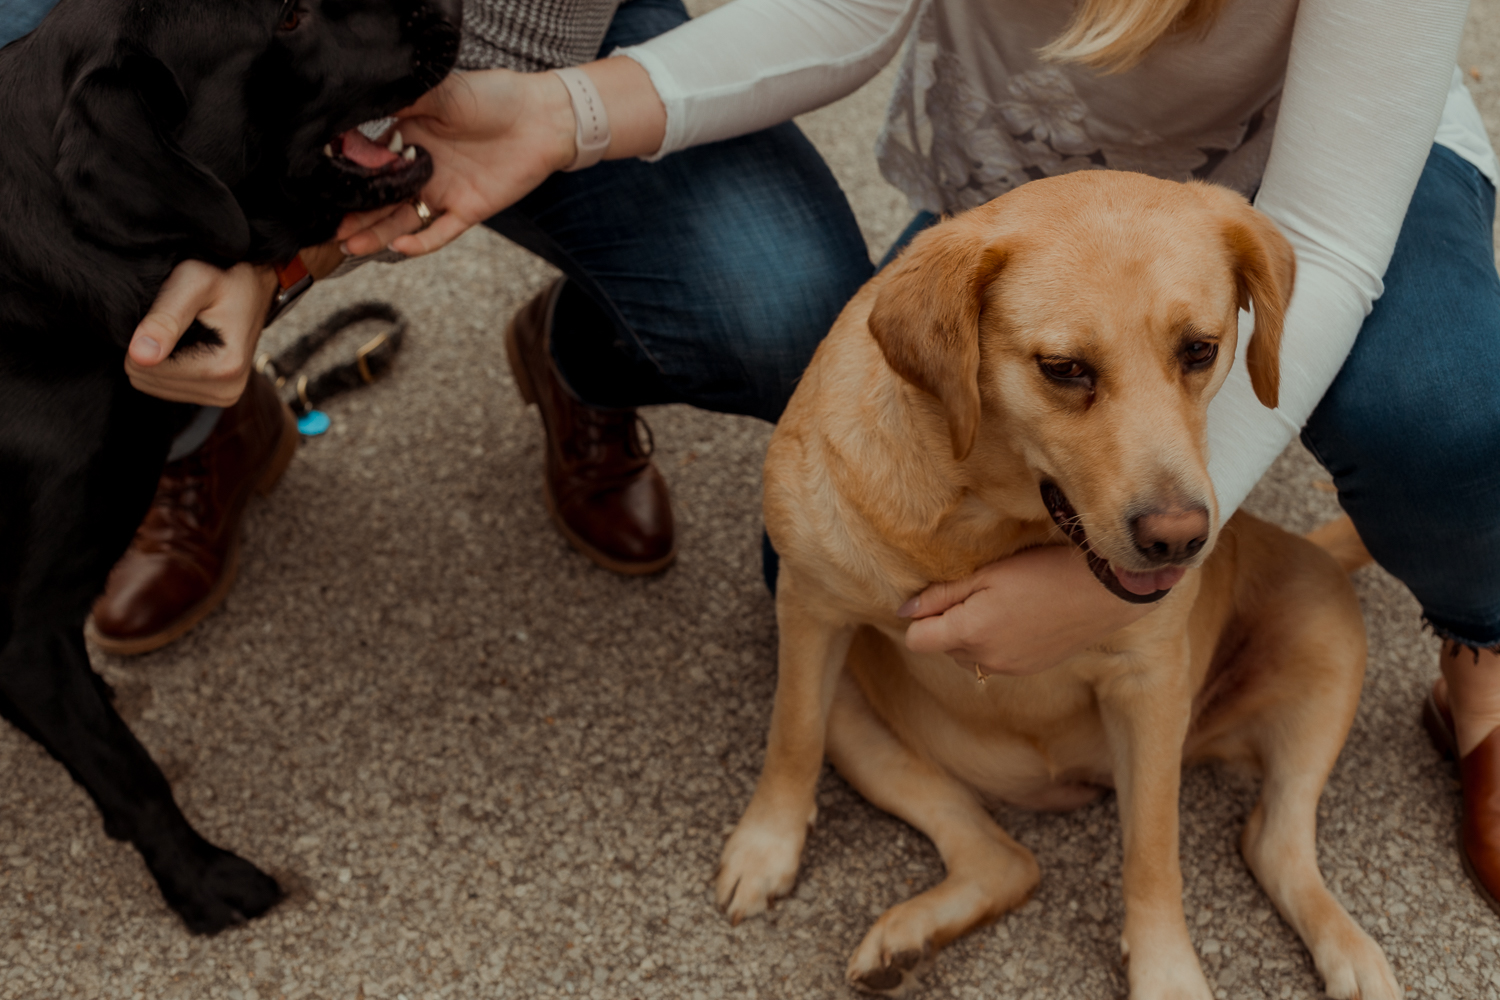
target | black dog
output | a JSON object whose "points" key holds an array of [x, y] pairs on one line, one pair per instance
{"points": [[139, 133]]}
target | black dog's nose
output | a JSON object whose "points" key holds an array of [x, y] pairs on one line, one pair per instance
{"points": [[1170, 536]]}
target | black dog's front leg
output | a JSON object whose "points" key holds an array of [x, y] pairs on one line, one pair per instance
{"points": [[49, 690]]}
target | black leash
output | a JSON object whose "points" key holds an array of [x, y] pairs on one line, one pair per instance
{"points": [[370, 362]]}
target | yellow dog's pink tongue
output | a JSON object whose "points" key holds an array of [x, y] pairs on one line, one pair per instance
{"points": [[364, 152], [1148, 583]]}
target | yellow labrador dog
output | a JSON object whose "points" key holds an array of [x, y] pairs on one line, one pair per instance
{"points": [[1038, 371]]}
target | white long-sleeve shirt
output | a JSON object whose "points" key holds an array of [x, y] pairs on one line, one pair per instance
{"points": [[1327, 108]]}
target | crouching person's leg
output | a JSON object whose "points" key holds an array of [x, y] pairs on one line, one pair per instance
{"points": [[1410, 430], [707, 278]]}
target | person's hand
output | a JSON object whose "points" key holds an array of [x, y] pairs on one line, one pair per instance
{"points": [[233, 302], [494, 135], [1021, 615]]}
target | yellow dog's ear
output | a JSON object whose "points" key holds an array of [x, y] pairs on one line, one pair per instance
{"points": [[926, 316], [1265, 269]]}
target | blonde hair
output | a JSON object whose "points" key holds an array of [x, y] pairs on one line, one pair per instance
{"points": [[1113, 35]]}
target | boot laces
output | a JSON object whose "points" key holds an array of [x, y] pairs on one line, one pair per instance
{"points": [[599, 434], [180, 501]]}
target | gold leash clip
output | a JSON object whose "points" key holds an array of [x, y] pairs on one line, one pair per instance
{"points": [[362, 353], [263, 366]]}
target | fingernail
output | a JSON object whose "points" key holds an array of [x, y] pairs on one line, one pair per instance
{"points": [[145, 348], [344, 249], [910, 607]]}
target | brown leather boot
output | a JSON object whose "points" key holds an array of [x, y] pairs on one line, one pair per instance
{"points": [[1479, 774], [182, 561], [602, 490]]}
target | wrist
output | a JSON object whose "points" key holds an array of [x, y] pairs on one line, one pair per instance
{"points": [[556, 118], [591, 128], [637, 116], [322, 260]]}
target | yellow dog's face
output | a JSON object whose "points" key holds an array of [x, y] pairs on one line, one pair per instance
{"points": [[1085, 322]]}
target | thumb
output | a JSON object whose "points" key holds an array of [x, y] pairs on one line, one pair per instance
{"points": [[154, 339], [934, 629], [184, 294], [441, 104], [430, 104], [939, 597]]}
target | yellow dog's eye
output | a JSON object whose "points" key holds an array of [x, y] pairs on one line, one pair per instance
{"points": [[1064, 368], [1200, 354]]}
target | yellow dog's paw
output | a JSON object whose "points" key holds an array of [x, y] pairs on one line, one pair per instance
{"points": [[1173, 990], [894, 955], [1166, 973], [1358, 971], [759, 865]]}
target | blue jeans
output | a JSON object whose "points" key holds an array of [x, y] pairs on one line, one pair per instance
{"points": [[17, 17], [1410, 428], [707, 277]]}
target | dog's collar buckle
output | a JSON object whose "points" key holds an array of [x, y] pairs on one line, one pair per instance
{"points": [[294, 279]]}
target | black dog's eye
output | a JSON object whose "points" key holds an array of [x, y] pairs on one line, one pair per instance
{"points": [[1199, 354], [291, 16], [1064, 369]]}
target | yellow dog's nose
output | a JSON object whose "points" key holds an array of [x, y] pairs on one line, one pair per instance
{"points": [[1173, 535]]}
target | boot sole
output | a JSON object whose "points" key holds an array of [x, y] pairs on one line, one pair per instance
{"points": [[528, 396], [1446, 744], [286, 450]]}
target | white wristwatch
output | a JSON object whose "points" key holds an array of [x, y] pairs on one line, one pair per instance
{"points": [[592, 131]]}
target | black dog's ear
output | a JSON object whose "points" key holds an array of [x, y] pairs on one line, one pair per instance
{"points": [[126, 180]]}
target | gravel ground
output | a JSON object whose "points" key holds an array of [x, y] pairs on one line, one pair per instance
{"points": [[485, 768]]}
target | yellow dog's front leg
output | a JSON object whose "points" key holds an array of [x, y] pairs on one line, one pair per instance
{"points": [[1146, 716], [760, 860]]}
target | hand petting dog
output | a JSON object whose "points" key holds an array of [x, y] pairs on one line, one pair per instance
{"points": [[1021, 615], [231, 302], [495, 135]]}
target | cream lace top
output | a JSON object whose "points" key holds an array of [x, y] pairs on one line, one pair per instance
{"points": [[1326, 108]]}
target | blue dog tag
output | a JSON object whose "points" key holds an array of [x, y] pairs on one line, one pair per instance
{"points": [[312, 423]]}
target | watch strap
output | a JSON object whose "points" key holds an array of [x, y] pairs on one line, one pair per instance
{"points": [[592, 130]]}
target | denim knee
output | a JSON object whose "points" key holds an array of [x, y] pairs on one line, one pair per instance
{"points": [[17, 17], [1425, 496], [773, 264]]}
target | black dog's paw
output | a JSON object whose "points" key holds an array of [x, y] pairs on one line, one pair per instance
{"points": [[215, 889]]}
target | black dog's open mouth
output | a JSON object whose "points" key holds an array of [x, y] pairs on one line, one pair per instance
{"points": [[371, 166], [1148, 585], [373, 149]]}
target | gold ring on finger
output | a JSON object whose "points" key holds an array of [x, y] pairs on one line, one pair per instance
{"points": [[424, 214]]}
